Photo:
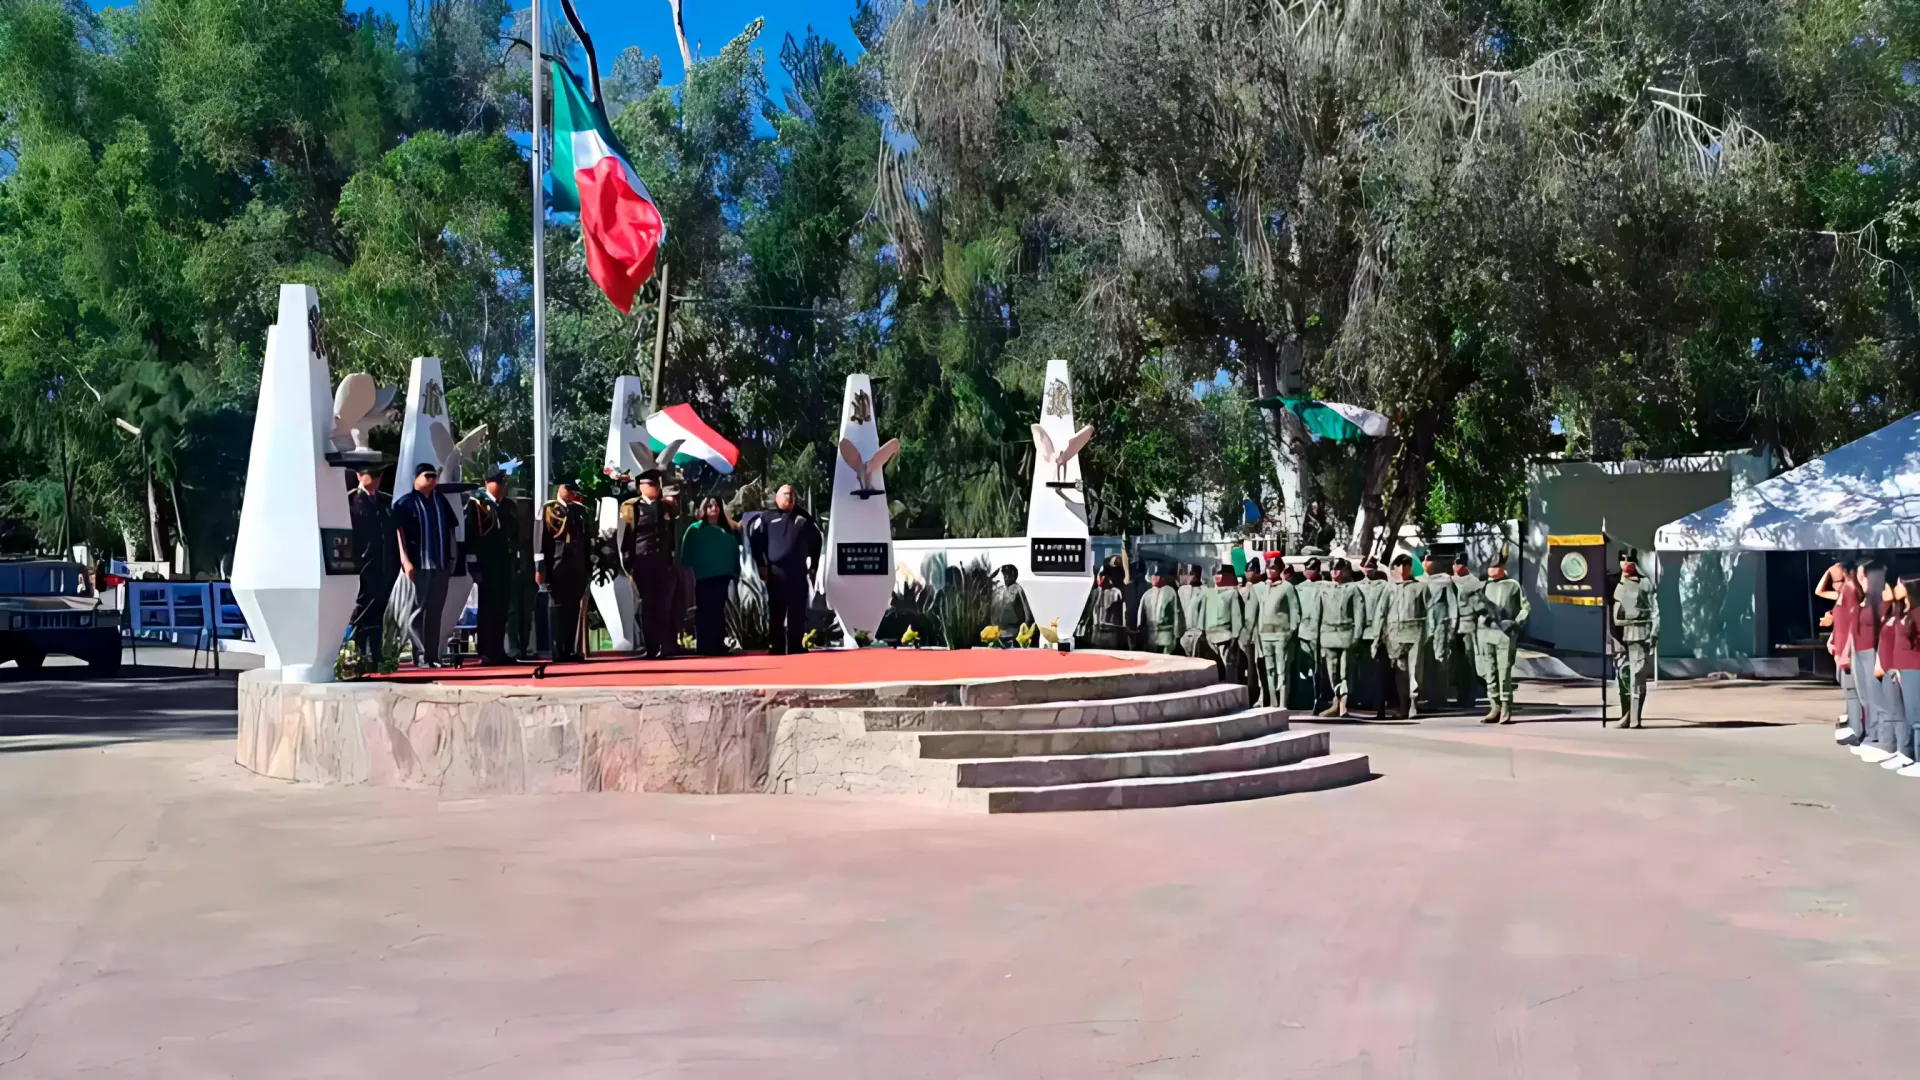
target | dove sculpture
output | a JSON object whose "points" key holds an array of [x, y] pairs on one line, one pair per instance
{"points": [[651, 462], [453, 454], [866, 471], [358, 407], [1058, 457]]}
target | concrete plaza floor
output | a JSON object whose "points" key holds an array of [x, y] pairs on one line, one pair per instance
{"points": [[1735, 898]]}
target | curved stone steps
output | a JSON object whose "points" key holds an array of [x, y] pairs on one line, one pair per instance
{"points": [[1115, 739], [1263, 752], [1188, 704], [1313, 774]]}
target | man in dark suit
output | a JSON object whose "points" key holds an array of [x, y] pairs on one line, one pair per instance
{"points": [[493, 538], [424, 526], [372, 511], [562, 566], [785, 543]]}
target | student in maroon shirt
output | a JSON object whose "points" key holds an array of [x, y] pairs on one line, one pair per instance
{"points": [[1843, 588], [1900, 662], [1866, 645]]}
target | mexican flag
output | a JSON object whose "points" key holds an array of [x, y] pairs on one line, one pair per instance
{"points": [[1333, 420], [698, 442], [619, 224]]}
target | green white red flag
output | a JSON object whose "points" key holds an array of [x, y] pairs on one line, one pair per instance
{"points": [[620, 226]]}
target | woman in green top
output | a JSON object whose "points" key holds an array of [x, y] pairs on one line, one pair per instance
{"points": [[711, 549]]}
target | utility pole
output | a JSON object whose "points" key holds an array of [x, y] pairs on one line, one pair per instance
{"points": [[659, 340], [153, 505]]}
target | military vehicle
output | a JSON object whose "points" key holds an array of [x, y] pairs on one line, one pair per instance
{"points": [[47, 606]]}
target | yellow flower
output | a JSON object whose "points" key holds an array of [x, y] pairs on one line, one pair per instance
{"points": [[811, 640], [911, 637], [1051, 631], [990, 635], [1025, 636]]}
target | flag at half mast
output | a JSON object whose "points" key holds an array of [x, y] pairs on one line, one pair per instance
{"points": [[620, 226]]}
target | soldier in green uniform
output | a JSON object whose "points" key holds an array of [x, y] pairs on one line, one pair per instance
{"points": [[1503, 614], [1250, 589], [1343, 618], [1443, 612], [1220, 611], [1466, 630], [1278, 614], [1375, 680], [1162, 619], [1636, 623], [1406, 628], [562, 567], [1190, 593], [1309, 628], [1110, 605]]}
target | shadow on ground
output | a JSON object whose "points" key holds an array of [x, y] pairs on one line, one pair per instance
{"points": [[63, 708]]}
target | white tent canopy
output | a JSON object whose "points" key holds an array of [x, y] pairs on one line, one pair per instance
{"points": [[1863, 496]]}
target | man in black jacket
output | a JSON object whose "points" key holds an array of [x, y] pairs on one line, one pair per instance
{"points": [[424, 526], [372, 511], [785, 543], [648, 525], [493, 538]]}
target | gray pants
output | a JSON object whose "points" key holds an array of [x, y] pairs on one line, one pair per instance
{"points": [[423, 629], [1901, 692], [1853, 700], [1873, 708], [1857, 694]]}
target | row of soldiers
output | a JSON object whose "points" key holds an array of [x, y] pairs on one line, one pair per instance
{"points": [[1337, 624]]}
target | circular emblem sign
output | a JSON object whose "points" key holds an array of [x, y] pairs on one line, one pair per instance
{"points": [[1573, 566]]}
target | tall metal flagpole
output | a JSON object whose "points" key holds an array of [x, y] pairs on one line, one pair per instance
{"points": [[542, 466]]}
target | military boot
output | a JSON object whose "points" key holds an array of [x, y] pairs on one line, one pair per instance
{"points": [[1493, 712], [1506, 712], [1332, 708], [1340, 705]]}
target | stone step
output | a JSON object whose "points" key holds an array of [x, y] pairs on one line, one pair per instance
{"points": [[1160, 675], [1313, 774], [1264, 752], [1190, 704], [1114, 739]]}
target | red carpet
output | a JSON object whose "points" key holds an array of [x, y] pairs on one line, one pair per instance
{"points": [[831, 667]]}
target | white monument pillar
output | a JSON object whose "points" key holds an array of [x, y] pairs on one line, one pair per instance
{"points": [[426, 435], [626, 425], [1059, 571], [293, 567], [858, 568]]}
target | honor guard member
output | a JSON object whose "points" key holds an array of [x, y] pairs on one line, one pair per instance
{"points": [[1407, 604], [1191, 592], [1250, 589], [1220, 623], [1309, 629], [1636, 622], [1110, 606], [1376, 675], [648, 522], [1443, 612], [1343, 615], [1162, 618], [493, 537], [1009, 607], [372, 513], [1277, 615], [1467, 664], [562, 566], [1503, 615]]}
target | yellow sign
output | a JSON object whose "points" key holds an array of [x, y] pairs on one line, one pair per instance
{"points": [[1579, 540]]}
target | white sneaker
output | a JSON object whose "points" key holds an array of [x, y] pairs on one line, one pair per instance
{"points": [[1896, 763], [1911, 770], [1857, 749], [1873, 755], [1842, 733]]}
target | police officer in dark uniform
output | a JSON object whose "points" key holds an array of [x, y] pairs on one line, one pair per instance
{"points": [[372, 512], [562, 566], [648, 523], [785, 544], [493, 538]]}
